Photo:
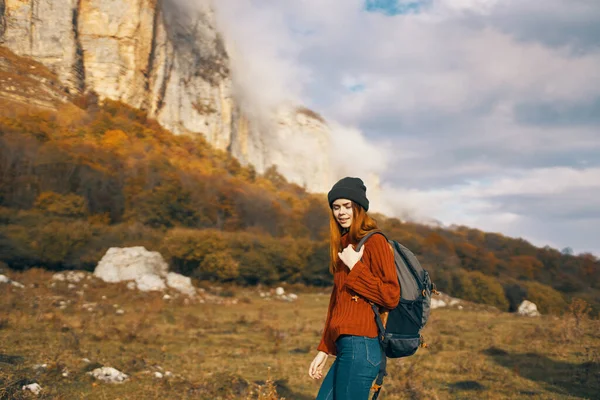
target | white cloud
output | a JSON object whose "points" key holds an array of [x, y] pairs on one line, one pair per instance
{"points": [[352, 154], [463, 109], [263, 56], [520, 204]]}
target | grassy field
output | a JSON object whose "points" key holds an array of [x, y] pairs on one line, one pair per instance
{"points": [[231, 343]]}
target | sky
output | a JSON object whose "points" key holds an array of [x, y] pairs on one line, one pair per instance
{"points": [[483, 113]]}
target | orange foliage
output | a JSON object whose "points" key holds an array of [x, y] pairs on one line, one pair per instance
{"points": [[111, 163], [525, 266]]}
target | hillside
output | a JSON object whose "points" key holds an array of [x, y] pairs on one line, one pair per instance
{"points": [[78, 176], [170, 59]]}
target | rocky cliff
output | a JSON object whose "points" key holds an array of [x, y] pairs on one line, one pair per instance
{"points": [[171, 61]]}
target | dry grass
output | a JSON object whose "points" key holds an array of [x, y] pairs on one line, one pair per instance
{"points": [[259, 349]]}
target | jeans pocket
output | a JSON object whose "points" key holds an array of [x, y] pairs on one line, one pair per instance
{"points": [[373, 350]]}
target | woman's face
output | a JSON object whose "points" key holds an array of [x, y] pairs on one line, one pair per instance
{"points": [[342, 212]]}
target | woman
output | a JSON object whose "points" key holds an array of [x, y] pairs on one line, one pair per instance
{"points": [[368, 275]]}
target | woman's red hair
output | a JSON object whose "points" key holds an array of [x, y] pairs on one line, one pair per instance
{"points": [[362, 224]]}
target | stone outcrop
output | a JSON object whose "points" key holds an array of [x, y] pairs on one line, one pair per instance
{"points": [[146, 270], [528, 309], [170, 60], [129, 264]]}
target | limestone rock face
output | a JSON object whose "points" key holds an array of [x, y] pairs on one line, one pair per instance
{"points": [[171, 61], [297, 141], [46, 31]]}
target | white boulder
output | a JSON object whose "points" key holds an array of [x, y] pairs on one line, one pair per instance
{"points": [[181, 283], [148, 282], [109, 375], [529, 309], [280, 291], [4, 279], [145, 270], [437, 303], [33, 388], [129, 264]]}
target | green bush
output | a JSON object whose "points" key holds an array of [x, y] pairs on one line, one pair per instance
{"points": [[187, 248], [479, 288], [547, 299], [316, 271], [217, 266], [49, 243]]}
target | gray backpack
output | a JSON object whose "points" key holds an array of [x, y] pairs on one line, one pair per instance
{"points": [[401, 336]]}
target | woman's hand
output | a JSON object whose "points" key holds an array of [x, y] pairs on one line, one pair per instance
{"points": [[350, 257], [316, 367]]}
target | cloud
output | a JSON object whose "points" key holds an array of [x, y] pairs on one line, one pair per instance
{"points": [[263, 55], [476, 112]]}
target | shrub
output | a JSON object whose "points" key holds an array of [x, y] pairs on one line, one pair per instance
{"points": [[479, 288], [187, 248], [49, 242], [63, 205], [547, 299], [217, 266]]}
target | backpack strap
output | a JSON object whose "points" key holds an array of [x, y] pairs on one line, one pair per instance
{"points": [[380, 327], [367, 236], [383, 365]]}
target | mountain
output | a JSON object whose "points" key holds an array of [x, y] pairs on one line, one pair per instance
{"points": [[170, 61]]}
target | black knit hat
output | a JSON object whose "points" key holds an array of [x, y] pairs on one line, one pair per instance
{"points": [[349, 188]]}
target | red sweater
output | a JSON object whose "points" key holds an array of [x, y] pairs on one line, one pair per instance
{"points": [[373, 278]]}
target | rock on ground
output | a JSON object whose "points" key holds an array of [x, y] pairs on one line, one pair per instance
{"points": [[33, 388], [6, 279], [129, 264], [437, 303], [146, 270], [149, 282], [109, 375], [181, 283], [443, 300], [70, 276], [529, 309]]}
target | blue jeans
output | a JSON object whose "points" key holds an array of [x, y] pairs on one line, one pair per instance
{"points": [[353, 371]]}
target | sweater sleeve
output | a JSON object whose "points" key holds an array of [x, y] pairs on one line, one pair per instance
{"points": [[374, 277], [327, 345]]}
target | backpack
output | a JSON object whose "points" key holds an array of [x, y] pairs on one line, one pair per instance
{"points": [[401, 336]]}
